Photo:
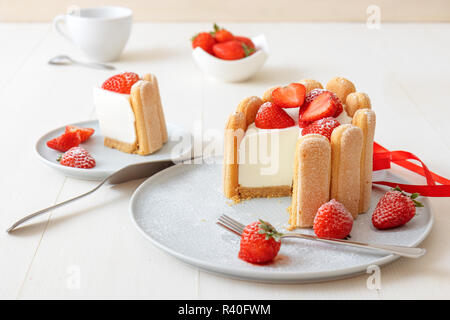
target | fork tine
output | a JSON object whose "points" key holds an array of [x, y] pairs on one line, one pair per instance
{"points": [[231, 226], [228, 228], [235, 222], [229, 221]]}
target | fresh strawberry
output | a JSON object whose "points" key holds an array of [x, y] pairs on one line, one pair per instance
{"points": [[260, 243], [245, 40], [291, 96], [323, 126], [394, 209], [77, 157], [270, 116], [222, 35], [232, 50], [84, 133], [65, 141], [333, 220], [310, 96], [205, 41], [322, 106], [121, 83]]}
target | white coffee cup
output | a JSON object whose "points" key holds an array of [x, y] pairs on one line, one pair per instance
{"points": [[101, 32]]}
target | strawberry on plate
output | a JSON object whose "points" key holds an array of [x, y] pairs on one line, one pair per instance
{"points": [[395, 209], [205, 41], [84, 133], [291, 96], [333, 220], [121, 83], [270, 116], [222, 35], [245, 40], [322, 106], [77, 157], [65, 141], [323, 126], [232, 50], [260, 243]]}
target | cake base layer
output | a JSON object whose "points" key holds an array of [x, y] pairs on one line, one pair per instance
{"points": [[119, 145], [264, 192]]}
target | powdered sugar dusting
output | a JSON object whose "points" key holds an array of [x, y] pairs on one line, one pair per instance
{"points": [[178, 210]]}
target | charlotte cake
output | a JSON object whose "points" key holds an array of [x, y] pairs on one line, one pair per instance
{"points": [[311, 168]]}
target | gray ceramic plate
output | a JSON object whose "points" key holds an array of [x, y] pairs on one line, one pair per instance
{"points": [[109, 160], [177, 210]]}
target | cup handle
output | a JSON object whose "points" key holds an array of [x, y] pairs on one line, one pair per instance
{"points": [[57, 21]]}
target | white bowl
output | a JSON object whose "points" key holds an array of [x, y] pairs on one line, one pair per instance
{"points": [[233, 70]]}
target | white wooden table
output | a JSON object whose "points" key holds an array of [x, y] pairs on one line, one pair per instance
{"points": [[403, 67]]}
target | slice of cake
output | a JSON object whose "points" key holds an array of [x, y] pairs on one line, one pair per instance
{"points": [[130, 113], [298, 140]]}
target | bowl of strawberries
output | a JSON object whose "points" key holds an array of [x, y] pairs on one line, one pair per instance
{"points": [[228, 57]]}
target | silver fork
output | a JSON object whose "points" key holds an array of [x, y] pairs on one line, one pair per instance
{"points": [[236, 227]]}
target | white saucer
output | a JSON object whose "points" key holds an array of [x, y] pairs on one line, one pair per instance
{"points": [[109, 160], [177, 210]]}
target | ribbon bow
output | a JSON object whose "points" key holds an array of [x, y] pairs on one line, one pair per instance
{"points": [[382, 159]]}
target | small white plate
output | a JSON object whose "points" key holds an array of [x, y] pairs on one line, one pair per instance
{"points": [[177, 210], [109, 160]]}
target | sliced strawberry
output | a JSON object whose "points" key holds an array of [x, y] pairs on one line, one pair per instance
{"points": [[291, 96], [121, 83], [270, 116], [324, 105], [65, 141], [84, 133], [310, 96], [323, 126], [302, 123]]}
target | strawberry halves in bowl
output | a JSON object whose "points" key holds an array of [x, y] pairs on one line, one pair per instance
{"points": [[233, 70]]}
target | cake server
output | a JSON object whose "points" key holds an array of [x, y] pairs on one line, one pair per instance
{"points": [[236, 227], [128, 173], [66, 60]]}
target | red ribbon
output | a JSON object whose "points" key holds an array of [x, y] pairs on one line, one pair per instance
{"points": [[382, 159]]}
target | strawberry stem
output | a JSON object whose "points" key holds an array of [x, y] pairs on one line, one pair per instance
{"points": [[413, 196], [247, 50], [269, 230]]}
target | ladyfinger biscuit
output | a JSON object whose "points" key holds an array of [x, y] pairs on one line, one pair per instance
{"points": [[267, 95], [341, 87], [157, 99], [311, 182], [148, 124], [249, 107], [346, 148], [311, 84], [365, 119], [356, 101], [234, 132]]}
